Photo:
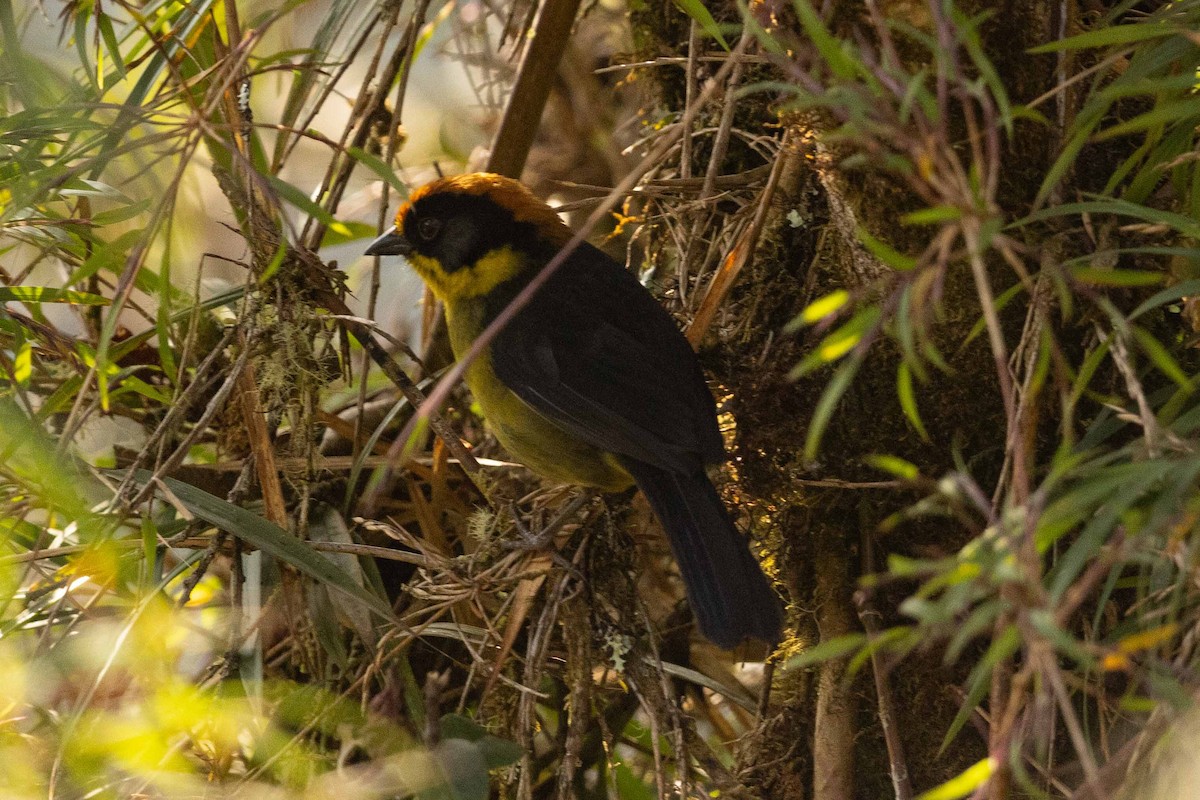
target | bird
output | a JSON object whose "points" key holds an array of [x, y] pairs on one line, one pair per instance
{"points": [[591, 383]]}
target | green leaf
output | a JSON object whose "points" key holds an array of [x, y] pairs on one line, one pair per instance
{"points": [[138, 386], [269, 538], [1106, 37], [839, 62], [105, 26], [1107, 205], [1116, 277], [463, 770], [628, 785], [1168, 295], [818, 310], [1162, 359], [1163, 113], [303, 202], [1001, 648], [45, 294], [836, 647], [380, 168], [837, 344], [964, 783], [696, 10], [885, 253], [731, 691], [894, 465], [22, 364], [908, 399], [828, 403], [353, 232], [932, 216]]}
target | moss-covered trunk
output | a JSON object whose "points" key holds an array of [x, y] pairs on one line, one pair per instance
{"points": [[822, 735]]}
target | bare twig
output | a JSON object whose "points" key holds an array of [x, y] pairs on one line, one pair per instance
{"points": [[551, 33]]}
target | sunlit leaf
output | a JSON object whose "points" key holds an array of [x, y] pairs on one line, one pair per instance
{"points": [[904, 470], [46, 294], [963, 784], [835, 648], [819, 309]]}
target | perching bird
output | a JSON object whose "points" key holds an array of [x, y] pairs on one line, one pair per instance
{"points": [[591, 383]]}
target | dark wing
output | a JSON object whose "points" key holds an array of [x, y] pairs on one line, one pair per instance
{"points": [[596, 354]]}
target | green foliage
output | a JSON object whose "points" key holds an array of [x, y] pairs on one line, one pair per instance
{"points": [[136, 609], [1079, 555], [195, 599]]}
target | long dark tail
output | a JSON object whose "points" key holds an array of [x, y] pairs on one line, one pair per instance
{"points": [[726, 587]]}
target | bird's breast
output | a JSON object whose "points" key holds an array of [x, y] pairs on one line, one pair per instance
{"points": [[529, 437]]}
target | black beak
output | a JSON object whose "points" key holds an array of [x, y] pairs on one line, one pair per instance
{"points": [[391, 243]]}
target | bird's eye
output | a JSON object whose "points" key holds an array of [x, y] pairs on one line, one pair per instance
{"points": [[428, 228]]}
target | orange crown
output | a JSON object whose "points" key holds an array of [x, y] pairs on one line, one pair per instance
{"points": [[505, 192]]}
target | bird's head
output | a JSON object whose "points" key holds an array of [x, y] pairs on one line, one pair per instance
{"points": [[467, 234]]}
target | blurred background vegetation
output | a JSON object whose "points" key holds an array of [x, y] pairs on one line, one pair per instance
{"points": [[939, 259]]}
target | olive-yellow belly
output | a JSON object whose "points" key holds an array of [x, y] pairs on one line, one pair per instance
{"points": [[531, 438]]}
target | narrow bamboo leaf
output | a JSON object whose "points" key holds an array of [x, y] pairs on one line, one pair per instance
{"points": [[302, 201], [1162, 359], [977, 623], [1001, 302], [885, 253], [139, 386], [1168, 295], [1001, 648], [825, 651], [22, 363], [105, 26], [829, 47], [380, 168], [972, 42], [908, 399], [895, 465], [818, 309], [46, 294], [828, 403], [731, 691], [356, 231], [121, 213], [915, 93], [1106, 37], [1163, 113], [1066, 645], [1116, 277], [963, 784], [765, 39], [896, 642], [838, 343], [1185, 225], [932, 216], [269, 538], [277, 259], [81, 39]]}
